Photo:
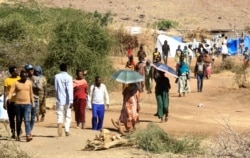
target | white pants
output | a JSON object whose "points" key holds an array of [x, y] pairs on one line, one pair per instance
{"points": [[64, 112]]}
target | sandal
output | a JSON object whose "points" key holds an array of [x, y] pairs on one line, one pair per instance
{"points": [[166, 119], [42, 119]]}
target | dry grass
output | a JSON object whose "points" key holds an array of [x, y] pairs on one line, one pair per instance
{"points": [[230, 143], [198, 34], [10, 148]]}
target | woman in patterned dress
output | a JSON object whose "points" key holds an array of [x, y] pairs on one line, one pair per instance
{"points": [[131, 106]]}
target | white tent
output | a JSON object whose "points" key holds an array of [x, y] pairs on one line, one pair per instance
{"points": [[173, 44], [3, 112]]}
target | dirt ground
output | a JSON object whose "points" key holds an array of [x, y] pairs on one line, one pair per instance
{"points": [[223, 103], [190, 14]]}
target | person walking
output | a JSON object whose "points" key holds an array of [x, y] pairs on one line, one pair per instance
{"points": [[190, 54], [156, 56], [141, 54], [178, 53], [24, 102], [185, 54], [131, 106], [9, 104], [246, 54], [99, 95], [130, 63], [80, 98], [129, 51], [35, 86], [165, 51], [148, 77], [183, 77], [224, 52], [241, 46], [162, 95], [64, 99], [140, 68], [42, 93], [199, 73]]}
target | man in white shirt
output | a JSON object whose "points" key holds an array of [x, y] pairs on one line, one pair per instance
{"points": [[224, 51], [64, 98], [99, 95]]}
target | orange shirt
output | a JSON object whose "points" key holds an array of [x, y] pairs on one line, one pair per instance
{"points": [[24, 93]]}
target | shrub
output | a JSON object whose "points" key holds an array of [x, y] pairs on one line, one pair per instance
{"points": [[82, 44], [230, 143], [156, 140], [103, 19], [123, 41], [229, 64], [30, 33], [166, 24]]}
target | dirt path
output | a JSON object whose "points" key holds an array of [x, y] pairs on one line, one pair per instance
{"points": [[223, 104]]}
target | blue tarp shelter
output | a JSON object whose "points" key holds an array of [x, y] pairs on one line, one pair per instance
{"points": [[178, 38], [233, 45]]}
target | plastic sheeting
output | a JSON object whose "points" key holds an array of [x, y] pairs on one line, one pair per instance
{"points": [[173, 44], [233, 45], [3, 112]]}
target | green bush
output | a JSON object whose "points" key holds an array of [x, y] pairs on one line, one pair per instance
{"points": [[166, 24], [156, 140], [30, 33], [81, 44]]}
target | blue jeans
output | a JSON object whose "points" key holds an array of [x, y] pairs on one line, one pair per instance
{"points": [[33, 115], [23, 111], [200, 82], [97, 116]]}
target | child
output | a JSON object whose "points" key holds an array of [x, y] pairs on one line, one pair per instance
{"points": [[130, 64]]}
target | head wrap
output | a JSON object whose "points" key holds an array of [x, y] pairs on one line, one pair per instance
{"points": [[28, 67], [38, 69]]}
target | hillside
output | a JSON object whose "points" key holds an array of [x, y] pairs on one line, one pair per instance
{"points": [[190, 14]]}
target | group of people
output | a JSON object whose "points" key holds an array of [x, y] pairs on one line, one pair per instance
{"points": [[132, 93], [25, 92], [24, 99], [183, 61], [74, 94]]}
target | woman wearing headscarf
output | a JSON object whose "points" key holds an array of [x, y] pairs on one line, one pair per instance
{"points": [[130, 107], [183, 77], [148, 76], [162, 96], [42, 84]]}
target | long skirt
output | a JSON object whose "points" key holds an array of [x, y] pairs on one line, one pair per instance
{"points": [[80, 108], [129, 116], [183, 84], [148, 84], [208, 71]]}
